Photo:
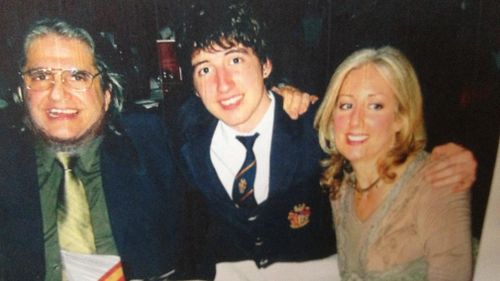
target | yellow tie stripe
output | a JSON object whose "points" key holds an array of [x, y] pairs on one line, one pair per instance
{"points": [[244, 170]]}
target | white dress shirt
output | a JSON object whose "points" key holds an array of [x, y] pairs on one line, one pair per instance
{"points": [[228, 154]]}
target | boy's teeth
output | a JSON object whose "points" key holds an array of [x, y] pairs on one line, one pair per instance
{"points": [[231, 101]]}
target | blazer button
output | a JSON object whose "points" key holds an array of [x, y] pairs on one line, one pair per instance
{"points": [[258, 242], [263, 262], [253, 218]]}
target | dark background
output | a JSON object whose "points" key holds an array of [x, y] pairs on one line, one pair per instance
{"points": [[451, 43]]}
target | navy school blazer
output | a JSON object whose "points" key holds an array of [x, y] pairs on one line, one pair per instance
{"points": [[293, 224]]}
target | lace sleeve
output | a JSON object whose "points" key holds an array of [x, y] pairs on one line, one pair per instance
{"points": [[443, 222]]}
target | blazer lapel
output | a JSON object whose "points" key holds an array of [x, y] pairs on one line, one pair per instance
{"points": [[196, 155], [284, 150], [120, 167]]}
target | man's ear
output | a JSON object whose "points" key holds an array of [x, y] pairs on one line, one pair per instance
{"points": [[107, 97], [267, 68]]}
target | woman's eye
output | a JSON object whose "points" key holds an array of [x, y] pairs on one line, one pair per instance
{"points": [[345, 106], [376, 106]]}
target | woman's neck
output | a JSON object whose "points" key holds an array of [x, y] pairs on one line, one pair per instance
{"points": [[366, 173]]}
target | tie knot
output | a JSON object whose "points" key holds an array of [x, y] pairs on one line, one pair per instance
{"points": [[248, 141], [66, 160]]}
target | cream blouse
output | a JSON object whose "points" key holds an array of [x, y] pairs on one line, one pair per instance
{"points": [[417, 233]]}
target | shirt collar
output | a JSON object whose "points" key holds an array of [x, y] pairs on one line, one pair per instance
{"points": [[88, 155]]}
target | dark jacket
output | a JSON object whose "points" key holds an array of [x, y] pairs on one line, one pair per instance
{"points": [[293, 224], [142, 196]]}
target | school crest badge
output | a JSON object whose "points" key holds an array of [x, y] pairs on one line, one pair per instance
{"points": [[299, 216], [242, 185]]}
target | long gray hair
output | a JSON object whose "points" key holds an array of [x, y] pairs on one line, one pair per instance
{"points": [[110, 80]]}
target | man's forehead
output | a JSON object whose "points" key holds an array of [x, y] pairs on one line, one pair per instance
{"points": [[57, 51]]}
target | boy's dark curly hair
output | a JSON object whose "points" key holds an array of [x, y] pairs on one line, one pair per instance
{"points": [[223, 23]]}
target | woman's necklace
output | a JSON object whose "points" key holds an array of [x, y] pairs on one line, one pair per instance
{"points": [[354, 184]]}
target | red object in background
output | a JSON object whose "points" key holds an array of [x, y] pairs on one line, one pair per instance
{"points": [[170, 70]]}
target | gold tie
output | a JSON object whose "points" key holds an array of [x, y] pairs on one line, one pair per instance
{"points": [[73, 214]]}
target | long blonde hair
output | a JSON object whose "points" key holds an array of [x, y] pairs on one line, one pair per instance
{"points": [[396, 69]]}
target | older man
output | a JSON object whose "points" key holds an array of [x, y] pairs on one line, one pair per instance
{"points": [[82, 179]]}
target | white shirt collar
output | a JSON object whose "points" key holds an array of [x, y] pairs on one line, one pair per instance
{"points": [[227, 153]]}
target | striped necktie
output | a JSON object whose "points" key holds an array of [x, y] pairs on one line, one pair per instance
{"points": [[243, 186], [73, 214]]}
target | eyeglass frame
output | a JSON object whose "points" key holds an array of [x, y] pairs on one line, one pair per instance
{"points": [[61, 71]]}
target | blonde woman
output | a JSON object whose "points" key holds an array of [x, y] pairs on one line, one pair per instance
{"points": [[390, 224]]}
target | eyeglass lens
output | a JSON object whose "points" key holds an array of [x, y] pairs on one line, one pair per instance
{"points": [[44, 79]]}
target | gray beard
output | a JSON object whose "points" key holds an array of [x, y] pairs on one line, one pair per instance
{"points": [[70, 146]]}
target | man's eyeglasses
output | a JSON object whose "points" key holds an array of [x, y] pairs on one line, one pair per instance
{"points": [[42, 79]]}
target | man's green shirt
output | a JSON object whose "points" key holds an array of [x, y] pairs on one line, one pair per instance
{"points": [[50, 178]]}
